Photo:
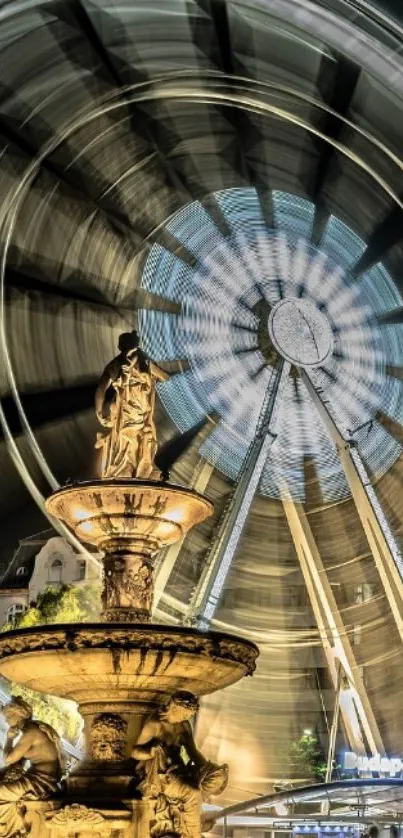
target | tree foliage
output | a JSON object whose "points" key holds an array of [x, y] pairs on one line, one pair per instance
{"points": [[58, 604], [61, 604], [306, 758], [62, 715]]}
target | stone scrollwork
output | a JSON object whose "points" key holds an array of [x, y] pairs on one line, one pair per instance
{"points": [[75, 814], [108, 736]]}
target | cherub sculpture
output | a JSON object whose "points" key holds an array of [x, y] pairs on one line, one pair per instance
{"points": [[172, 770], [32, 769]]}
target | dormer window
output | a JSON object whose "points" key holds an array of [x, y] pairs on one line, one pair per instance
{"points": [[55, 569], [81, 570]]}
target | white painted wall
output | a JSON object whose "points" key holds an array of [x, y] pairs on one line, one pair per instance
{"points": [[57, 563]]}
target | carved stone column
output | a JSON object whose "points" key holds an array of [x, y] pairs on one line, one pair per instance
{"points": [[128, 588], [128, 521], [110, 729]]}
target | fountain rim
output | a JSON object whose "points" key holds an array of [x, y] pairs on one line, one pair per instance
{"points": [[113, 637], [112, 482]]}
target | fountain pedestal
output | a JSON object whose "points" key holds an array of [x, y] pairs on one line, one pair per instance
{"points": [[123, 668]]}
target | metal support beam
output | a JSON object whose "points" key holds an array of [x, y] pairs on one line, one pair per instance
{"points": [[325, 806], [358, 717], [387, 556], [335, 725], [199, 482], [208, 590]]}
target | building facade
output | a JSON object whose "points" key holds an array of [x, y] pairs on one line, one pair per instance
{"points": [[40, 562]]}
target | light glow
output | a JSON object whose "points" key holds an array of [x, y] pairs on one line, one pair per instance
{"points": [[217, 331]]}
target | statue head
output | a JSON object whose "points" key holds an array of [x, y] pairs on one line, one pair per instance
{"points": [[180, 707], [17, 711], [128, 341]]}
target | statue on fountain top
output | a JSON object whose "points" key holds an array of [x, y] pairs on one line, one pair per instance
{"points": [[173, 772], [129, 445], [32, 769]]}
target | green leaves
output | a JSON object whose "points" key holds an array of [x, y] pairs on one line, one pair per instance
{"points": [[62, 604], [306, 758], [58, 604]]}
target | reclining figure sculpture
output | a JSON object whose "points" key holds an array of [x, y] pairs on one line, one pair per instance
{"points": [[33, 769], [173, 773]]}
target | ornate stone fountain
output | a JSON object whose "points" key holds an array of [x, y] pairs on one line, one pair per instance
{"points": [[135, 682]]}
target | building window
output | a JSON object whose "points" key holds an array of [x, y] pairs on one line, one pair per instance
{"points": [[22, 571], [363, 592], [81, 570], [356, 636], [14, 611], [55, 570], [292, 596]]}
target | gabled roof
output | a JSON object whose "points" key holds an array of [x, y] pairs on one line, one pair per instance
{"points": [[21, 567]]}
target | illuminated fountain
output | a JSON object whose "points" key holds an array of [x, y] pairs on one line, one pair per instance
{"points": [[136, 683]]}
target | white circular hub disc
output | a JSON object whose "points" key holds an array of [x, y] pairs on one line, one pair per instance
{"points": [[300, 332]]}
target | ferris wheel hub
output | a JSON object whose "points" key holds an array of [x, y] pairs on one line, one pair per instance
{"points": [[300, 332]]}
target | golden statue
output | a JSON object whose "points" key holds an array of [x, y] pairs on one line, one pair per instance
{"points": [[173, 772], [37, 744], [130, 444]]}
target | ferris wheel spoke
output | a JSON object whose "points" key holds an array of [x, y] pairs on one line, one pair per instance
{"points": [[394, 371], [43, 407], [337, 81], [76, 289], [242, 350], [384, 236], [391, 318], [391, 425]]}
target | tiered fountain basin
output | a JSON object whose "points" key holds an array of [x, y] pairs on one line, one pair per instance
{"points": [[106, 663], [118, 674], [105, 513], [119, 671]]}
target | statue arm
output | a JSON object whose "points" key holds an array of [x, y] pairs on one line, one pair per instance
{"points": [[157, 372], [193, 752], [19, 751], [147, 742], [8, 745], [108, 376]]}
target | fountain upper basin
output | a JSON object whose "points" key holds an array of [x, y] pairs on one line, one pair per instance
{"points": [[107, 513]]}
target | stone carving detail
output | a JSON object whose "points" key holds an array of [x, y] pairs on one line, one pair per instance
{"points": [[37, 744], [108, 737], [173, 773], [172, 641], [77, 814], [128, 585], [129, 444]]}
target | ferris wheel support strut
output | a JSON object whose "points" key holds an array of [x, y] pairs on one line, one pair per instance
{"points": [[199, 482], [386, 554], [359, 720], [207, 592]]}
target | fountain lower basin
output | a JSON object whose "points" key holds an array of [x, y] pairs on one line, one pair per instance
{"points": [[118, 674], [112, 662]]}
